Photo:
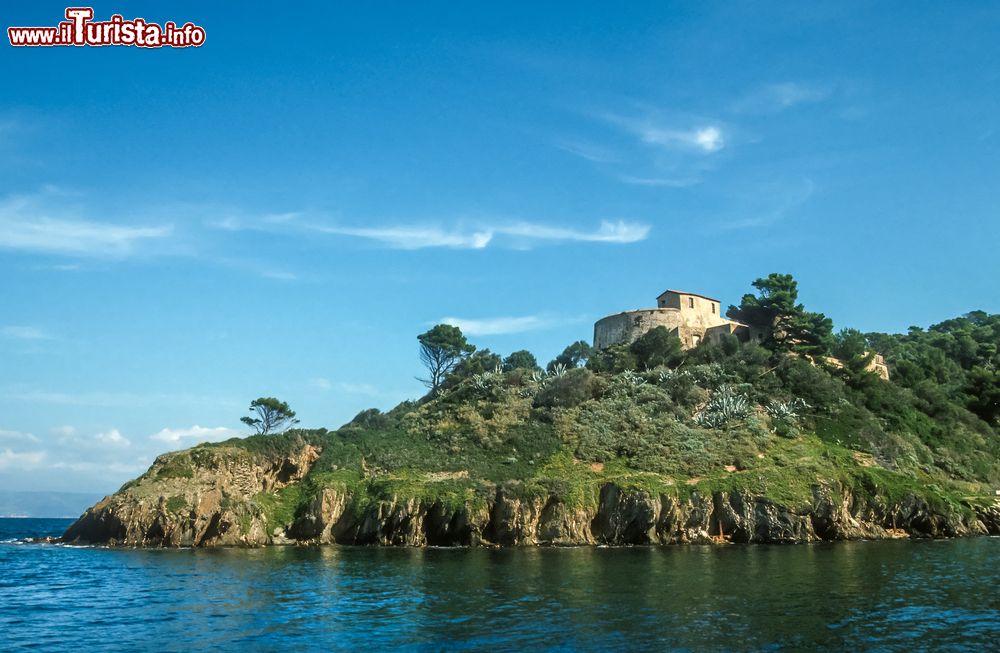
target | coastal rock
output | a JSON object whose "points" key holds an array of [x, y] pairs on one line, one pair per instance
{"points": [[202, 498], [225, 496]]}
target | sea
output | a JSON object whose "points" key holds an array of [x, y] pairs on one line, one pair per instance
{"points": [[941, 595]]}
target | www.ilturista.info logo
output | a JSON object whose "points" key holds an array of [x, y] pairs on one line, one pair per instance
{"points": [[80, 29]]}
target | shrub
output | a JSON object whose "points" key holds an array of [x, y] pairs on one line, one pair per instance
{"points": [[570, 389]]}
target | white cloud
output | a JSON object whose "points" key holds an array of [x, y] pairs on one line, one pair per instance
{"points": [[772, 98], [64, 431], [28, 224], [707, 139], [24, 333], [200, 433], [523, 233], [499, 325], [112, 437], [21, 460]]}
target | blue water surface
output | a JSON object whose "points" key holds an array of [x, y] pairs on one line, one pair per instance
{"points": [[888, 596]]}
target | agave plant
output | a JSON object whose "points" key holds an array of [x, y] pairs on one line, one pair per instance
{"points": [[668, 375], [487, 380], [631, 378], [725, 406], [558, 370], [786, 410]]}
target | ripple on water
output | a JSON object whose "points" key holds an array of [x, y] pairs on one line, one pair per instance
{"points": [[843, 596]]}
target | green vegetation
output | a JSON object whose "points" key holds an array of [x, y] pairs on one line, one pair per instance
{"points": [[177, 504], [775, 418], [177, 466]]}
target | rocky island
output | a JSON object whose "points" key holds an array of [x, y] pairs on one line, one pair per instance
{"points": [[664, 434]]}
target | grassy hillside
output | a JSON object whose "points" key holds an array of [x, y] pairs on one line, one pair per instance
{"points": [[723, 416]]}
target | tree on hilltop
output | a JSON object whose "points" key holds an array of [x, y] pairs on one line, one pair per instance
{"points": [[787, 325], [575, 355], [269, 415], [520, 360], [442, 348]]}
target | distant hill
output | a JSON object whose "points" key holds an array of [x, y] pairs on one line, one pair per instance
{"points": [[45, 504]]}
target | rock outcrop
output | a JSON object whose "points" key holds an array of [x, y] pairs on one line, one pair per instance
{"points": [[225, 497], [203, 497]]}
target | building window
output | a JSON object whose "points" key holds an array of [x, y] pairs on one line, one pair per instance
{"points": [[690, 302], [713, 309]]}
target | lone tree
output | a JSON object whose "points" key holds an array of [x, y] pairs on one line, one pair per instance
{"points": [[788, 325], [441, 350], [272, 416]]}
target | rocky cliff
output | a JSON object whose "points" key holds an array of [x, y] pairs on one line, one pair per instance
{"points": [[228, 495]]}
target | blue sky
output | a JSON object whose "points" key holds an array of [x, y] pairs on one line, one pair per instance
{"points": [[281, 211]]}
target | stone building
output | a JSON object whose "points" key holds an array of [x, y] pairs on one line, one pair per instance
{"points": [[691, 317]]}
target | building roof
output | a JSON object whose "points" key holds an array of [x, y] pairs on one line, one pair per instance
{"points": [[681, 292]]}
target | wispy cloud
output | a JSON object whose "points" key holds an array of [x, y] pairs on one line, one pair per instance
{"points": [[465, 234], [414, 237], [24, 333], [326, 385], [25, 460], [321, 383], [706, 138], [663, 182], [102, 399], [772, 98], [618, 232], [17, 436], [279, 275], [262, 223], [199, 433], [29, 223], [588, 151], [104, 467], [523, 234], [493, 326], [783, 200]]}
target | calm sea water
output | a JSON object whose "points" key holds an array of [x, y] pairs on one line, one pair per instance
{"points": [[942, 595]]}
